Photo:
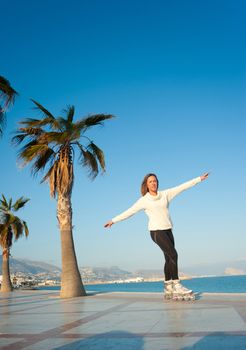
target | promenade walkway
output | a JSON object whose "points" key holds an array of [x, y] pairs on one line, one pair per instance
{"points": [[35, 320]]}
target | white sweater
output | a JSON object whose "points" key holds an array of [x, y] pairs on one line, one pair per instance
{"points": [[156, 207]]}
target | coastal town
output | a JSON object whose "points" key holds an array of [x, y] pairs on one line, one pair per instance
{"points": [[89, 275], [35, 274]]}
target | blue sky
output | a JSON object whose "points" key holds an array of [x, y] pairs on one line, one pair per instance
{"points": [[174, 74]]}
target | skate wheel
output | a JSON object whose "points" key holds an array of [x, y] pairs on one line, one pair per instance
{"points": [[168, 296], [190, 297]]}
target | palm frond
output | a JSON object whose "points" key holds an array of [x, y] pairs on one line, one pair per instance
{"points": [[8, 218], [4, 203], [92, 120], [23, 133], [30, 122], [98, 153], [23, 150], [41, 108], [69, 112], [18, 139], [20, 203], [30, 131], [63, 124], [32, 150], [38, 123], [52, 177], [7, 97], [17, 228], [58, 138], [88, 160], [42, 160], [47, 120], [7, 93], [6, 236], [48, 174], [2, 120], [25, 228]]}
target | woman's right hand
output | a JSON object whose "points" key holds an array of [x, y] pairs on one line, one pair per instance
{"points": [[204, 176], [108, 224]]}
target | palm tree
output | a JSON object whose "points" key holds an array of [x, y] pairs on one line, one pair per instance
{"points": [[52, 142], [11, 227], [7, 96]]}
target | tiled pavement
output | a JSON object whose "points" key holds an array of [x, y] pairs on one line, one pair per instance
{"points": [[35, 320]]}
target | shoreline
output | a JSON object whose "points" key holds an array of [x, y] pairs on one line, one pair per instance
{"points": [[161, 279]]}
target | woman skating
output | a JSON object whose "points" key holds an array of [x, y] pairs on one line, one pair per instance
{"points": [[155, 204]]}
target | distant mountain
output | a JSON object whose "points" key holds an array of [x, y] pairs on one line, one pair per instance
{"points": [[104, 273], [29, 266], [113, 273], [149, 273], [219, 269]]}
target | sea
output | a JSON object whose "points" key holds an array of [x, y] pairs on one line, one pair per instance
{"points": [[215, 284]]}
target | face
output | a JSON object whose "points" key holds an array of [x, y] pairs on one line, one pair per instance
{"points": [[152, 184]]}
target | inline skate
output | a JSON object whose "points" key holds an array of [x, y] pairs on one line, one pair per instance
{"points": [[168, 290], [181, 293]]}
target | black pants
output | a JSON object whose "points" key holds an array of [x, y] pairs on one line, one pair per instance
{"points": [[165, 240]]}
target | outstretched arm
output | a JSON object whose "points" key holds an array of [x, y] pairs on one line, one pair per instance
{"points": [[126, 214], [173, 192]]}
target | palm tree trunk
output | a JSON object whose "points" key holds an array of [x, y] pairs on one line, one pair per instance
{"points": [[71, 283], [6, 282]]}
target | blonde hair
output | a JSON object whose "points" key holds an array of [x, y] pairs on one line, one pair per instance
{"points": [[144, 188]]}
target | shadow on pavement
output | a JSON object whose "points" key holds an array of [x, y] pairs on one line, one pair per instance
{"points": [[219, 341]]}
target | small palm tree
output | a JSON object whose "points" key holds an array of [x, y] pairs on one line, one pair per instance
{"points": [[7, 96], [11, 227], [52, 142]]}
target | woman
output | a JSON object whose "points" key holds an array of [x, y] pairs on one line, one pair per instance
{"points": [[155, 204]]}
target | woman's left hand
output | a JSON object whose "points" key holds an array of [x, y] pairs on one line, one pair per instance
{"points": [[204, 176], [108, 224]]}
